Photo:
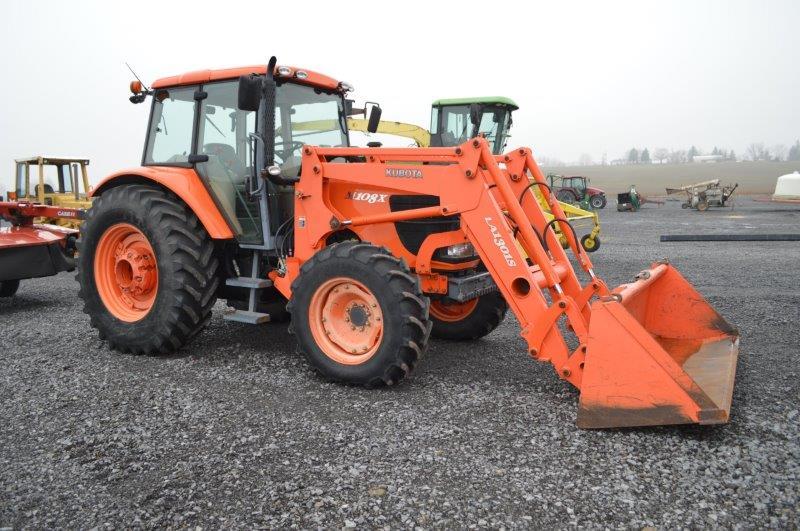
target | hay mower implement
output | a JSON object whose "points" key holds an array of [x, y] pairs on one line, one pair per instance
{"points": [[328, 229], [33, 250]]}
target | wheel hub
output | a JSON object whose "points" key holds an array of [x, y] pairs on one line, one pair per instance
{"points": [[126, 272], [358, 315], [346, 321]]}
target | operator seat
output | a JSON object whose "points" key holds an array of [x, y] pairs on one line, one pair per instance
{"points": [[227, 157]]}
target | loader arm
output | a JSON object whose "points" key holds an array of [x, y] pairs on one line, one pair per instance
{"points": [[679, 353], [418, 134]]}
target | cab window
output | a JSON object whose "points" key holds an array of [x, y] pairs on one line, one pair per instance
{"points": [[169, 140]]}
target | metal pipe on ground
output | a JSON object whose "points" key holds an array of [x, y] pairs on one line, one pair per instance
{"points": [[730, 237]]}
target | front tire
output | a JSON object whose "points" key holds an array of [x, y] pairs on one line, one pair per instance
{"points": [[590, 244], [147, 270], [598, 202], [8, 288], [468, 320], [359, 315]]}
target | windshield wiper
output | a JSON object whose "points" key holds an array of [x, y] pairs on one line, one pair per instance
{"points": [[214, 126]]}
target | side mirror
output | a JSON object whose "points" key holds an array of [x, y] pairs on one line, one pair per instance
{"points": [[249, 92], [374, 118]]}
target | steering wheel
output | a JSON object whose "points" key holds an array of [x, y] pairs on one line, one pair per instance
{"points": [[293, 145]]}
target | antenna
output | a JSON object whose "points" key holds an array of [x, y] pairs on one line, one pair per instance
{"points": [[146, 88]]}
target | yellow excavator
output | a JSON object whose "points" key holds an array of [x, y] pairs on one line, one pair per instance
{"points": [[455, 120]]}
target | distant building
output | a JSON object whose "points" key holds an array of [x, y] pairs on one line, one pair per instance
{"points": [[707, 158]]}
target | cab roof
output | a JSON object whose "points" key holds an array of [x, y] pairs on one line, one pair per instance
{"points": [[205, 76], [52, 160], [495, 100]]}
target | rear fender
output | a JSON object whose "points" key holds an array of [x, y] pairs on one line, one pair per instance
{"points": [[183, 182]]}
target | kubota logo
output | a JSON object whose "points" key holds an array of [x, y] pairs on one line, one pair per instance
{"points": [[500, 242], [403, 173], [367, 197]]}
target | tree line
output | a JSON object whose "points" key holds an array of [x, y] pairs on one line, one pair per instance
{"points": [[756, 151]]}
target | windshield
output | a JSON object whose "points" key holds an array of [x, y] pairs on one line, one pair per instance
{"points": [[305, 115], [495, 122]]}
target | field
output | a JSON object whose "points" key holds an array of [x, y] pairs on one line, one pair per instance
{"points": [[651, 179], [236, 430]]}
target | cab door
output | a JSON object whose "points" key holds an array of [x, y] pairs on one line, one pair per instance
{"points": [[223, 137]]}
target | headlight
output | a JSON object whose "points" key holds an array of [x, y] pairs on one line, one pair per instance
{"points": [[460, 250], [300, 74], [346, 87], [284, 71]]}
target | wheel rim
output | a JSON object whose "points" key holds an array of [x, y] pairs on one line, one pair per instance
{"points": [[126, 272], [453, 312], [346, 321]]}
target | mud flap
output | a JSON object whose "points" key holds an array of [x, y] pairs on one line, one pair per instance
{"points": [[657, 354]]}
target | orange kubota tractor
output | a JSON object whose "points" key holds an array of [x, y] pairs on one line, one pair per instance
{"points": [[375, 249]]}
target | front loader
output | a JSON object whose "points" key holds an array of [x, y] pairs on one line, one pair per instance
{"points": [[365, 242]]}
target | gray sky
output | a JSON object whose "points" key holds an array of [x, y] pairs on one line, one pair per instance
{"points": [[590, 77]]}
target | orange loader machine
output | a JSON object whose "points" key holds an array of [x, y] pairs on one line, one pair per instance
{"points": [[375, 250]]}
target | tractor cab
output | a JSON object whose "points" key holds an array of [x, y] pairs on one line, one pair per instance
{"points": [[201, 125], [454, 121], [53, 181]]}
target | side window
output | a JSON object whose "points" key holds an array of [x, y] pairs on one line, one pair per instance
{"points": [[50, 180], [65, 178], [21, 183], [457, 125], [434, 120], [170, 135]]}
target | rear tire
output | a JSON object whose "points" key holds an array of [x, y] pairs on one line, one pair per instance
{"points": [[359, 315], [166, 305], [565, 196], [469, 320], [8, 288]]}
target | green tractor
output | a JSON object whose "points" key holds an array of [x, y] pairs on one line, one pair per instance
{"points": [[456, 120]]}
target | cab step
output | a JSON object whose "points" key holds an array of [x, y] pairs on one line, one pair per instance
{"points": [[247, 317], [248, 282]]}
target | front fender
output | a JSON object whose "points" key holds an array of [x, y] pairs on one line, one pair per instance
{"points": [[183, 182]]}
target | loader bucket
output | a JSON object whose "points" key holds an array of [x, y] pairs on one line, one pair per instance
{"points": [[657, 353]]}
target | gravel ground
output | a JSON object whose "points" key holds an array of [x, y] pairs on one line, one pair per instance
{"points": [[237, 431]]}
